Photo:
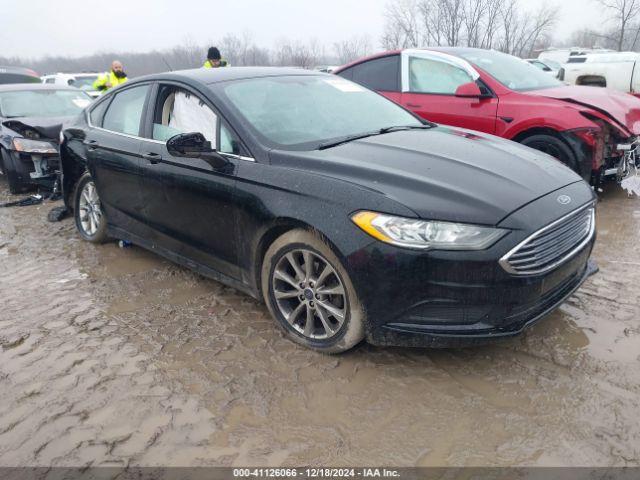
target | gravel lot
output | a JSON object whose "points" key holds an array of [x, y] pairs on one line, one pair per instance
{"points": [[117, 357]]}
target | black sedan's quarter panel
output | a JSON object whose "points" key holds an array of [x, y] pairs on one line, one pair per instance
{"points": [[270, 196]]}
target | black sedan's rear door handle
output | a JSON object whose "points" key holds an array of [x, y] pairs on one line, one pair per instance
{"points": [[152, 157]]}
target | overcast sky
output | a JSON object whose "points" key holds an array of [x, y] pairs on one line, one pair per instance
{"points": [[34, 28]]}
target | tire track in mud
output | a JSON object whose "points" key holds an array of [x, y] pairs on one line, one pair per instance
{"points": [[73, 391], [117, 357]]}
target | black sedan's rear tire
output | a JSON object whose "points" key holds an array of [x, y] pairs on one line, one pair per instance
{"points": [[310, 294], [553, 146], [89, 217]]}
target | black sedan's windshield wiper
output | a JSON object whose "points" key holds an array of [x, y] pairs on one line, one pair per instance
{"points": [[397, 128], [358, 136], [348, 138]]}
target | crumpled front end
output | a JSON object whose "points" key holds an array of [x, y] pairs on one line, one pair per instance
{"points": [[35, 153], [603, 151]]}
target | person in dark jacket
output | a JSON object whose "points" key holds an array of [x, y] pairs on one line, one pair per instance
{"points": [[214, 59]]}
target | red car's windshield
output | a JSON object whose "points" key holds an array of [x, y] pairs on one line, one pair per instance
{"points": [[512, 72]]}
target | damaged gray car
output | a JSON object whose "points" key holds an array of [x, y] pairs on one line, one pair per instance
{"points": [[31, 117]]}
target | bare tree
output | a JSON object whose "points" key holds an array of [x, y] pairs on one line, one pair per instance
{"points": [[476, 23], [588, 37], [522, 30], [353, 48], [443, 21], [401, 27], [297, 53], [473, 13], [231, 47], [490, 24], [622, 12]]}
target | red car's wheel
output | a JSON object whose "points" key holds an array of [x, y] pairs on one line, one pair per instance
{"points": [[553, 146]]}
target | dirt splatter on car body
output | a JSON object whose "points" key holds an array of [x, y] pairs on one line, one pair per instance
{"points": [[115, 356]]}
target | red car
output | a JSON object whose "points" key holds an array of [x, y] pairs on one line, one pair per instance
{"points": [[587, 128]]}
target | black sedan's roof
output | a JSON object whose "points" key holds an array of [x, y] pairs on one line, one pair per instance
{"points": [[215, 75], [16, 87]]}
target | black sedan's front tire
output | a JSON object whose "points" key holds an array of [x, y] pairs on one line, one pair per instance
{"points": [[89, 217], [309, 293]]}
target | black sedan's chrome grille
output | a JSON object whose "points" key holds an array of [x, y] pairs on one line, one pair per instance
{"points": [[552, 245]]}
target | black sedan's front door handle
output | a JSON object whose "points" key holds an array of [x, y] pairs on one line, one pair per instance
{"points": [[152, 157]]}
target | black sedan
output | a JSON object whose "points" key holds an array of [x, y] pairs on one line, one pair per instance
{"points": [[31, 117], [348, 215]]}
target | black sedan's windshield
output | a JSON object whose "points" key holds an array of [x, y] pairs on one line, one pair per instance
{"points": [[511, 71], [42, 103], [304, 112]]}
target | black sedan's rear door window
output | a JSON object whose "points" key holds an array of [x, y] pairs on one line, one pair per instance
{"points": [[125, 111]]}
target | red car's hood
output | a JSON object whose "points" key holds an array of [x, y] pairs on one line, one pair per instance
{"points": [[621, 107]]}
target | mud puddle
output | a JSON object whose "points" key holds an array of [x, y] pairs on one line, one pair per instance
{"points": [[118, 357]]}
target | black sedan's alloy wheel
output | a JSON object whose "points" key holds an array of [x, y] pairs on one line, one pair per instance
{"points": [[308, 291], [309, 294], [88, 214]]}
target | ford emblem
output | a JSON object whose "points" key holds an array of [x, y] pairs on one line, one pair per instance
{"points": [[564, 199]]}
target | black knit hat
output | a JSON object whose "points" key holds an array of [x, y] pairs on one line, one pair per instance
{"points": [[213, 53]]}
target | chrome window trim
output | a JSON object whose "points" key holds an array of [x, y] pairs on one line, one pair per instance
{"points": [[237, 157], [229, 155], [504, 261], [88, 117]]}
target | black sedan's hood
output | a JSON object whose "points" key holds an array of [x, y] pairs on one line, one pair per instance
{"points": [[46, 127], [442, 173]]}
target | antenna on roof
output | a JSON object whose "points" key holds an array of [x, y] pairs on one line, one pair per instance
{"points": [[167, 64]]}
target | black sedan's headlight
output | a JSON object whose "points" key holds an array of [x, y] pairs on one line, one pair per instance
{"points": [[424, 234], [27, 145]]}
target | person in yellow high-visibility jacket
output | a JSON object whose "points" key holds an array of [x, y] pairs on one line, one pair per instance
{"points": [[214, 59], [112, 78]]}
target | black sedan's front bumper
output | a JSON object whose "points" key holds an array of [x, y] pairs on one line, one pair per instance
{"points": [[515, 321], [456, 298]]}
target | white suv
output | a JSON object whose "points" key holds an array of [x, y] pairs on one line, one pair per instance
{"points": [[83, 81]]}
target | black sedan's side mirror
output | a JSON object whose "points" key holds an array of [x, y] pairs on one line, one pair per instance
{"points": [[194, 145]]}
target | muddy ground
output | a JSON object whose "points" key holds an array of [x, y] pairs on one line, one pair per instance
{"points": [[118, 357]]}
